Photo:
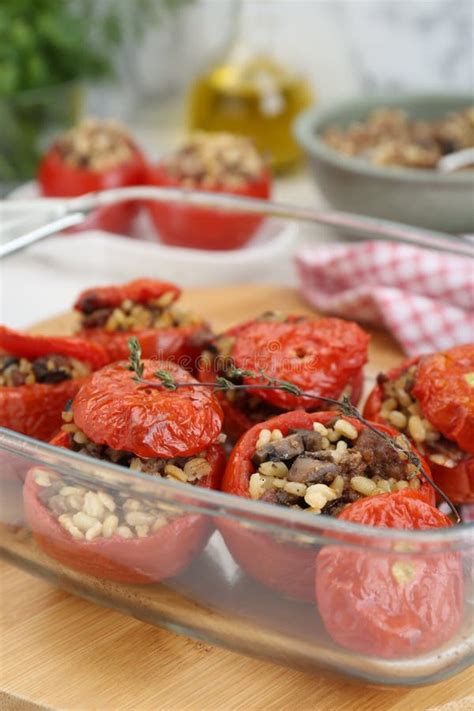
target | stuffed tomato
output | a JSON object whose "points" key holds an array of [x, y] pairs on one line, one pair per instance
{"points": [[145, 308], [127, 536], [221, 163], [317, 463], [431, 400], [38, 375], [321, 356], [95, 155], [390, 604]]}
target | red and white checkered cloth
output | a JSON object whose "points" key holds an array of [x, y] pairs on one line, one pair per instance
{"points": [[424, 298]]}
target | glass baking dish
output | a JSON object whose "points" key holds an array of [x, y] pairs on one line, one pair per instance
{"points": [[213, 600]]}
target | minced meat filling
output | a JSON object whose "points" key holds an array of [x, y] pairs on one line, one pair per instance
{"points": [[132, 316], [325, 469], [103, 512], [402, 410], [51, 368]]}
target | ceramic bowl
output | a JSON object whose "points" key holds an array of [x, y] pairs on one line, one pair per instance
{"points": [[425, 198]]}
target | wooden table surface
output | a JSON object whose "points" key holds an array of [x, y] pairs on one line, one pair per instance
{"points": [[59, 651]]}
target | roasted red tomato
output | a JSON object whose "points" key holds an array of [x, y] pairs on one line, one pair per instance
{"points": [[114, 410], [143, 308], [95, 156], [219, 163], [444, 387], [38, 375], [431, 399], [390, 604], [96, 529], [324, 356], [291, 461]]}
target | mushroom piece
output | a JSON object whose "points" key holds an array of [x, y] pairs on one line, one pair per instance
{"points": [[308, 470], [280, 450], [312, 440]]}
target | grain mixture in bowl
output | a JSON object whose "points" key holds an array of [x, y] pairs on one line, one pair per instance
{"points": [[390, 137], [51, 368], [325, 469]]}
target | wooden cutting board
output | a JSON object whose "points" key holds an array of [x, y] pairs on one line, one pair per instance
{"points": [[59, 651]]}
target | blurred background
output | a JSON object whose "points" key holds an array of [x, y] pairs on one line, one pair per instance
{"points": [[153, 63], [352, 105]]}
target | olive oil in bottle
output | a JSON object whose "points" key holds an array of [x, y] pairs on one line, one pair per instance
{"points": [[251, 93]]}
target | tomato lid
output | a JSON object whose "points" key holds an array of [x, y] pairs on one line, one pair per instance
{"points": [[112, 409], [25, 345], [318, 355], [444, 387], [141, 291]]}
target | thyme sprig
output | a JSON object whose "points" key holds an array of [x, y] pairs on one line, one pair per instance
{"points": [[224, 384], [135, 363]]}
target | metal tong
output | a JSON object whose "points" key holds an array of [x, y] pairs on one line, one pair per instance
{"points": [[62, 213]]}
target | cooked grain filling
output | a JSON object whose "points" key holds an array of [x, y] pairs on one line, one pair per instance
{"points": [[325, 469], [51, 368], [87, 513], [390, 137], [402, 410], [132, 316]]}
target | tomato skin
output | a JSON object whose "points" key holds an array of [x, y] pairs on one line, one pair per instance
{"points": [[445, 396], [286, 567], [162, 555], [58, 179], [456, 482], [142, 291], [25, 345], [205, 228], [264, 345], [181, 344], [35, 410], [318, 355], [112, 409], [366, 609]]}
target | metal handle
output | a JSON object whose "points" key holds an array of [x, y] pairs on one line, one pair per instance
{"points": [[355, 225], [15, 245]]}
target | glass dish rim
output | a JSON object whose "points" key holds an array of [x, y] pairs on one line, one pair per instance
{"points": [[224, 504]]}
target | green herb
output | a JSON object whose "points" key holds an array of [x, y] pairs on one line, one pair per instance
{"points": [[135, 363], [46, 48], [166, 379]]}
